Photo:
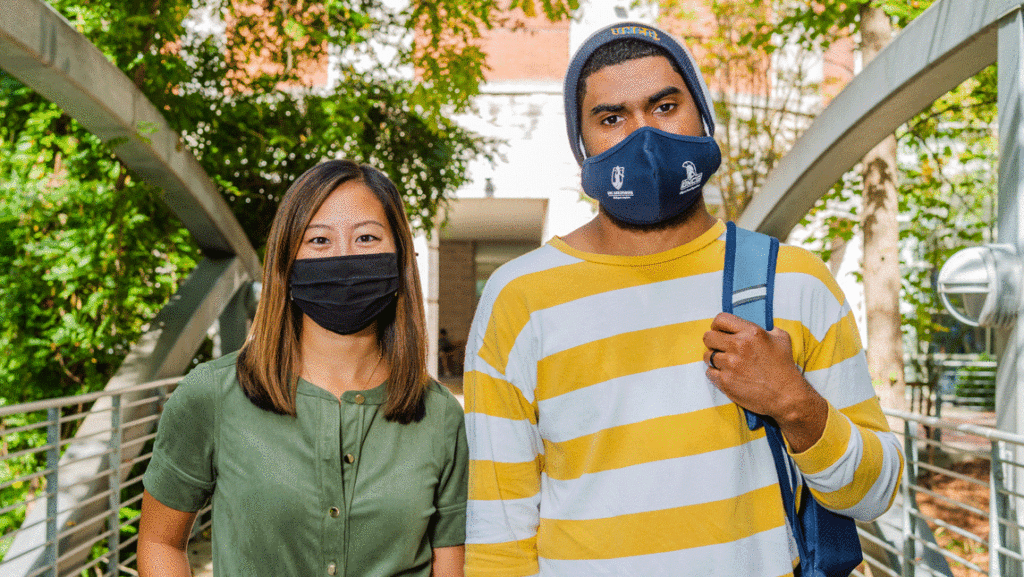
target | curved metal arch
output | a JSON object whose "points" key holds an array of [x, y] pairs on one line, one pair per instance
{"points": [[42, 49], [947, 44]]}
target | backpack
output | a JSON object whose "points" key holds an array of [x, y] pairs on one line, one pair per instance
{"points": [[827, 542]]}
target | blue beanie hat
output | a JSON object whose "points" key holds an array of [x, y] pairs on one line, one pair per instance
{"points": [[651, 35]]}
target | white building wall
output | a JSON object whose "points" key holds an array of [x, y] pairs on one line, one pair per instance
{"points": [[535, 160]]}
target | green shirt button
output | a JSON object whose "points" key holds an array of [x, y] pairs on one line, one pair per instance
{"points": [[334, 511], [332, 569], [350, 458], [360, 399]]}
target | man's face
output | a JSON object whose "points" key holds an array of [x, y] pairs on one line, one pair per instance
{"points": [[641, 92]]}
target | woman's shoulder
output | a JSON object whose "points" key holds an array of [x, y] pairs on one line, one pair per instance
{"points": [[442, 403], [210, 379], [223, 366], [440, 394]]}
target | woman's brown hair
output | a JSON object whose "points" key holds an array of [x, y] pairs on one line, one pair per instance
{"points": [[269, 361]]}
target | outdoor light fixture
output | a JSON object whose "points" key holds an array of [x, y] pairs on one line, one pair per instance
{"points": [[980, 286]]}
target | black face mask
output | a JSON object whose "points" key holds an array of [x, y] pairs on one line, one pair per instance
{"points": [[344, 294]]}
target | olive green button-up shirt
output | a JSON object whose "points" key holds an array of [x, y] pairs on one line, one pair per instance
{"points": [[337, 490]]}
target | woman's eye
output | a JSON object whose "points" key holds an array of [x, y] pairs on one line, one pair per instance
{"points": [[319, 240], [366, 238]]}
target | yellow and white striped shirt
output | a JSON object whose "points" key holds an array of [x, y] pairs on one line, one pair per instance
{"points": [[599, 447]]}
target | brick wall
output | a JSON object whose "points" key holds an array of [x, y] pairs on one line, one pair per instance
{"points": [[525, 48]]}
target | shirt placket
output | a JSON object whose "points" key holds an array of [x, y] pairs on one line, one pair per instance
{"points": [[329, 432], [353, 415]]}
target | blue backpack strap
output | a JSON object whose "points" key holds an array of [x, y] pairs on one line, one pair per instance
{"points": [[747, 289], [827, 542], [748, 282]]}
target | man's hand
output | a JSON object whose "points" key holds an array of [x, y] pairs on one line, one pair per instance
{"points": [[755, 369]]}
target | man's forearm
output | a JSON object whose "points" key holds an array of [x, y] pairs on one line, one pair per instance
{"points": [[803, 417]]}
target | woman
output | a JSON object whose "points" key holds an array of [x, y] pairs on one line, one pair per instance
{"points": [[325, 447]]}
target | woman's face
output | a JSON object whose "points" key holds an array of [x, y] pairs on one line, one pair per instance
{"points": [[350, 221]]}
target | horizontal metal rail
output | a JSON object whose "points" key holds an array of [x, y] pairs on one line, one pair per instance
{"points": [[928, 530], [31, 462], [958, 508]]}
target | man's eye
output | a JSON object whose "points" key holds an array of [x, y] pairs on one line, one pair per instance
{"points": [[610, 120], [666, 107]]}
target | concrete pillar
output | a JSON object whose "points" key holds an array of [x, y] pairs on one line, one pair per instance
{"points": [[233, 324], [428, 261]]}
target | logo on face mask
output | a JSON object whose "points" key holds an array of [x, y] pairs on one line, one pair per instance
{"points": [[618, 178], [692, 179], [618, 175]]}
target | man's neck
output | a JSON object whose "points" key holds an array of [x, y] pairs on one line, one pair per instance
{"points": [[603, 236]]}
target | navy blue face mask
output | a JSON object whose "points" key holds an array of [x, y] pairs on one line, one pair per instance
{"points": [[652, 175]]}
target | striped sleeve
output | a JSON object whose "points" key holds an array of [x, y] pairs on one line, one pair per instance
{"points": [[855, 467], [505, 446]]}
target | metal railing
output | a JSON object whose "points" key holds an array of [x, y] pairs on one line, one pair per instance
{"points": [[958, 506], [939, 381], [969, 383], [37, 462], [930, 530]]}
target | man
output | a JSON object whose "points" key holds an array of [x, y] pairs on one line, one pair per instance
{"points": [[604, 387]]}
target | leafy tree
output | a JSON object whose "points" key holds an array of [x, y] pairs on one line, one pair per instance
{"points": [[949, 196], [260, 91], [945, 192], [87, 253], [766, 99]]}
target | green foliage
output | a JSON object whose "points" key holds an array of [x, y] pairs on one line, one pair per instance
{"points": [[259, 92], [947, 192], [763, 102], [821, 22], [948, 158], [87, 253], [19, 492]]}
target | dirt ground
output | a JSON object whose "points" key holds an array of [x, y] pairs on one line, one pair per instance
{"points": [[964, 492]]}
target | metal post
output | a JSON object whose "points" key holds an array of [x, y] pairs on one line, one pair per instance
{"points": [[1009, 396], [909, 497], [998, 505], [52, 466], [114, 542]]}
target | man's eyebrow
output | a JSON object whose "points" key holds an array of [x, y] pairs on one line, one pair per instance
{"points": [[606, 108], [663, 93], [650, 100]]}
